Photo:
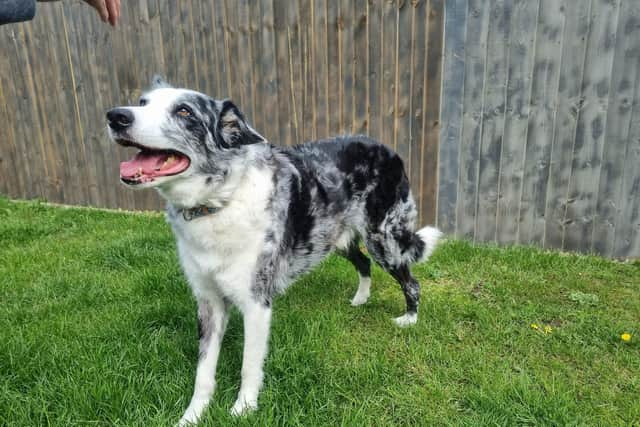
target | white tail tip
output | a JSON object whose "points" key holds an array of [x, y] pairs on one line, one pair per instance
{"points": [[430, 237]]}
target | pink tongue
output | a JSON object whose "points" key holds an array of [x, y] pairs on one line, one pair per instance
{"points": [[153, 164]]}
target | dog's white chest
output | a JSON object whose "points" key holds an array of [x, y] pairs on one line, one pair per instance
{"points": [[222, 249]]}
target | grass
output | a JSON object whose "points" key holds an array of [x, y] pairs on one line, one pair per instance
{"points": [[97, 326]]}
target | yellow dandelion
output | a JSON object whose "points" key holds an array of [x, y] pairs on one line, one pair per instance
{"points": [[535, 326], [626, 337], [548, 329]]}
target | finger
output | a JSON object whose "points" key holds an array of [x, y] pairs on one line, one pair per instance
{"points": [[112, 9], [101, 7]]}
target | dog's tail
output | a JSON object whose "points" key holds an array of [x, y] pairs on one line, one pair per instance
{"points": [[426, 240]]}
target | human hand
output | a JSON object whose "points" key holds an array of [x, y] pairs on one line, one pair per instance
{"points": [[109, 10]]}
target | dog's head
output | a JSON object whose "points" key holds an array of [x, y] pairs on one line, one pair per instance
{"points": [[179, 133]]}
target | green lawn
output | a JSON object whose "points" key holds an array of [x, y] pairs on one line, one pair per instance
{"points": [[97, 326]]}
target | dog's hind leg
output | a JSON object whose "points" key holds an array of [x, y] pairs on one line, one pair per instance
{"points": [[212, 322], [411, 289], [395, 251], [257, 321], [362, 263]]}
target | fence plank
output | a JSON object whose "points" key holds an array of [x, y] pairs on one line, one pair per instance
{"points": [[221, 72], [544, 102], [402, 118], [627, 231], [36, 48], [44, 71], [232, 49], [270, 73], [359, 121], [25, 114], [374, 28], [346, 26], [319, 71], [570, 102], [623, 77], [469, 157], [245, 80], [417, 88], [334, 71], [11, 114], [590, 128], [431, 123], [284, 76], [295, 71], [451, 112], [493, 120], [520, 70], [9, 160], [388, 47]]}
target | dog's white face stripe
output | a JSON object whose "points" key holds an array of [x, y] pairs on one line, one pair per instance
{"points": [[155, 115]]}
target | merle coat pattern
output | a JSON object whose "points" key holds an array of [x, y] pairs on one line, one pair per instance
{"points": [[270, 214]]}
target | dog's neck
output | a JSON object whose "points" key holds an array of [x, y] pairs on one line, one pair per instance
{"points": [[213, 191]]}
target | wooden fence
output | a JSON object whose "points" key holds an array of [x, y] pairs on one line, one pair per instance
{"points": [[299, 70], [535, 139], [540, 136]]}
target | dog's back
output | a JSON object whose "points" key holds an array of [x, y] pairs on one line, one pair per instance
{"points": [[346, 189]]}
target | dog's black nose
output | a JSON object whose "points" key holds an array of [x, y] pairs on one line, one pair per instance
{"points": [[119, 118]]}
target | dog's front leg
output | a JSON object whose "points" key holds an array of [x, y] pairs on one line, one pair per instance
{"points": [[212, 322], [257, 321]]}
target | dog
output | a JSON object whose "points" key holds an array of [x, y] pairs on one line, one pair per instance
{"points": [[249, 217]]}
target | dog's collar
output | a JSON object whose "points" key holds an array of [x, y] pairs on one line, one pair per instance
{"points": [[198, 211]]}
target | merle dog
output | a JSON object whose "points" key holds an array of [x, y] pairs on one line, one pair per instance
{"points": [[249, 217]]}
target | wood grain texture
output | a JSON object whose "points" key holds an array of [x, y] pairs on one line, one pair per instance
{"points": [[570, 102], [451, 113], [624, 76], [627, 231], [299, 71], [495, 95], [402, 95], [431, 122], [512, 156], [590, 128], [346, 24], [270, 74], [360, 94], [318, 59], [472, 101], [517, 120], [388, 47], [413, 162], [374, 28], [541, 124], [544, 102]]}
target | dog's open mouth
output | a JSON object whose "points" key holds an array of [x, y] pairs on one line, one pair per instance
{"points": [[150, 164]]}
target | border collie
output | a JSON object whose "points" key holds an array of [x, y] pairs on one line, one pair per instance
{"points": [[249, 217]]}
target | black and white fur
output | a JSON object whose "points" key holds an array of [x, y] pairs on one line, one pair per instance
{"points": [[281, 212]]}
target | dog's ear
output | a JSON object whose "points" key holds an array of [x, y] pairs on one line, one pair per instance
{"points": [[233, 129], [157, 82]]}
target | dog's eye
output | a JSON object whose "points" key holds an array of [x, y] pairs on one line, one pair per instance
{"points": [[143, 102], [183, 112]]}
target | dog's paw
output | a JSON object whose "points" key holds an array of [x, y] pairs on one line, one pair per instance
{"points": [[407, 319], [359, 299], [243, 407]]}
